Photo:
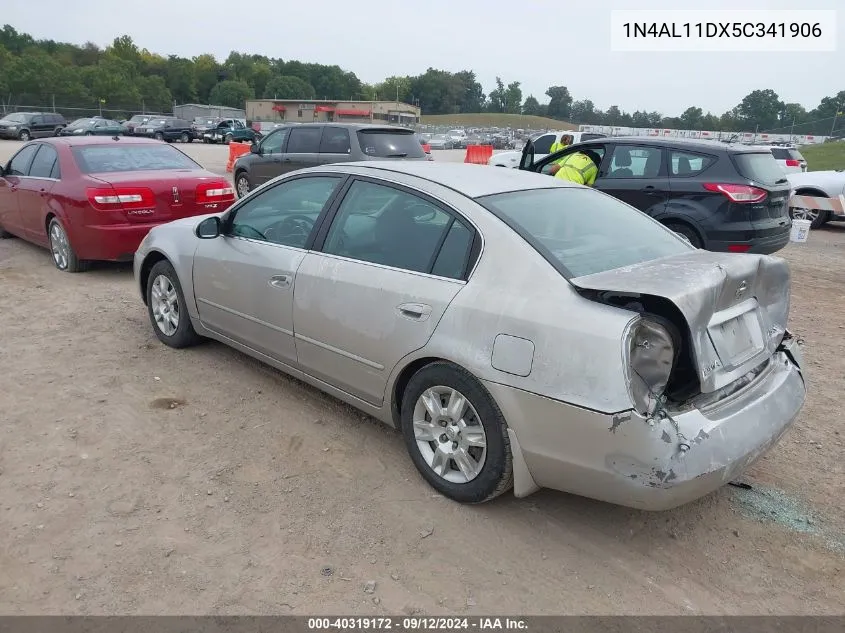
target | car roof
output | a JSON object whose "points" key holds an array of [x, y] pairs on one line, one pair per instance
{"points": [[681, 143], [354, 126], [472, 181], [72, 141]]}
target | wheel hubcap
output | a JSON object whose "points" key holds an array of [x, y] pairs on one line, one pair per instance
{"points": [[805, 214], [449, 434], [59, 246], [243, 186], [165, 305]]}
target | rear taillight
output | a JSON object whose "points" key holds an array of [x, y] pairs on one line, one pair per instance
{"points": [[121, 198], [793, 163], [213, 192], [738, 193], [739, 248]]}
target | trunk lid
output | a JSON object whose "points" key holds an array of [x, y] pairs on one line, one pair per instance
{"points": [[174, 193], [736, 306]]}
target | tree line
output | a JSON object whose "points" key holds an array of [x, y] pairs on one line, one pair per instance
{"points": [[127, 78]]}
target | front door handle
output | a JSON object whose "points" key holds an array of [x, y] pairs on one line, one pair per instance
{"points": [[650, 190], [280, 281], [414, 311]]}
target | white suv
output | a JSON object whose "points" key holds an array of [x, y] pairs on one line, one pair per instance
{"points": [[790, 159]]}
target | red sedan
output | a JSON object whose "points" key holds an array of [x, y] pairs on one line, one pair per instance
{"points": [[96, 198]]}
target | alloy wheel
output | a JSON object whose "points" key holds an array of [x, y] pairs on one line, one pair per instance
{"points": [[804, 214], [164, 301], [242, 186], [59, 246], [449, 434]]}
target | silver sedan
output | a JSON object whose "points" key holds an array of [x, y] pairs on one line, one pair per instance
{"points": [[520, 331]]}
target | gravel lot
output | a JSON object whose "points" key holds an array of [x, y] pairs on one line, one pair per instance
{"points": [[136, 479]]}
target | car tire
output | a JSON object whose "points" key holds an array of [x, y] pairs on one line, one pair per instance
{"points": [[4, 234], [24, 136], [61, 250], [817, 219], [227, 139], [57, 131], [243, 185], [164, 300], [688, 232], [487, 457], [185, 137], [158, 136], [88, 133]]}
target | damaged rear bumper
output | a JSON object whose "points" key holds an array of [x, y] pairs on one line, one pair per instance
{"points": [[651, 464]]}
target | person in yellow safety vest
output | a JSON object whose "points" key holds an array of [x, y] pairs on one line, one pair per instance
{"points": [[578, 167], [565, 141]]}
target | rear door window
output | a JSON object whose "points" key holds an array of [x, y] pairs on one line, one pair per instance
{"points": [[631, 161], [335, 140], [390, 143], [683, 164], [304, 140], [42, 164], [760, 167]]}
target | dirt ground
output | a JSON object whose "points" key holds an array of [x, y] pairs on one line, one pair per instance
{"points": [[137, 479]]}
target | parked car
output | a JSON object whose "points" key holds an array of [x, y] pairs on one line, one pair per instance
{"points": [[818, 184], [633, 368], [441, 141], [167, 129], [93, 127], [542, 146], [789, 159], [228, 131], [294, 147], [94, 198], [731, 198], [137, 120], [28, 125]]}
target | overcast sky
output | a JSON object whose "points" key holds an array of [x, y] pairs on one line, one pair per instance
{"points": [[537, 42]]}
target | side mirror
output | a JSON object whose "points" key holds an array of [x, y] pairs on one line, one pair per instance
{"points": [[209, 228], [254, 148]]}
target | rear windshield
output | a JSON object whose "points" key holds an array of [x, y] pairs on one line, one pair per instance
{"points": [[582, 231], [786, 153], [390, 144], [762, 167], [100, 159]]}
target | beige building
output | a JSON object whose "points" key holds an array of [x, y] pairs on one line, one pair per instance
{"points": [[310, 111]]}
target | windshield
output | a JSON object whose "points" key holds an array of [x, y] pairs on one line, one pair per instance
{"points": [[98, 159], [138, 118], [390, 144], [15, 118], [81, 123], [762, 167], [582, 231], [156, 122]]}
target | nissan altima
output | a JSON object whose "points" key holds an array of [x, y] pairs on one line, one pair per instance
{"points": [[520, 331]]}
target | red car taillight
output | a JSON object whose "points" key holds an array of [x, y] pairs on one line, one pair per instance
{"points": [[213, 192], [739, 248], [792, 163], [121, 198], [738, 193]]}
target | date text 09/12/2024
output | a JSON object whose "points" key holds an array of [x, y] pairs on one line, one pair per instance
{"points": [[722, 30]]}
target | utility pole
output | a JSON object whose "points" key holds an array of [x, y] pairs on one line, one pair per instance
{"points": [[792, 131], [54, 103], [833, 126]]}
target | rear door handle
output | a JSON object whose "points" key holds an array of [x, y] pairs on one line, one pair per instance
{"points": [[414, 311], [650, 190], [280, 281]]}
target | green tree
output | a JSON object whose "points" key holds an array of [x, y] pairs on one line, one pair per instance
{"points": [[288, 87], [691, 118], [232, 94], [498, 99], [760, 108], [155, 96], [584, 112], [207, 72], [395, 88], [181, 78], [560, 102], [513, 98], [532, 106]]}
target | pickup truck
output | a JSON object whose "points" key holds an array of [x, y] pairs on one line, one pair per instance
{"points": [[818, 185], [229, 130]]}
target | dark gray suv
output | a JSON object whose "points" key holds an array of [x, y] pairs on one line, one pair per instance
{"points": [[306, 145], [28, 125]]}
